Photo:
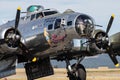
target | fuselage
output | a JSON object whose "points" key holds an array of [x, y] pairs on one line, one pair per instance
{"points": [[60, 38]]}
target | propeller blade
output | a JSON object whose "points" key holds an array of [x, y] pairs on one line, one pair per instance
{"points": [[112, 56], [110, 23], [17, 18], [28, 54], [23, 47], [114, 59]]}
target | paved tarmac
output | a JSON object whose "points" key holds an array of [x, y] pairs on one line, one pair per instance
{"points": [[102, 73]]}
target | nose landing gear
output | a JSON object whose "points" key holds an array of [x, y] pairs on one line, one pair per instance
{"points": [[76, 71]]}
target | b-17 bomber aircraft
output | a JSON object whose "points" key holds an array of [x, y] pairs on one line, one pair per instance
{"points": [[44, 34]]}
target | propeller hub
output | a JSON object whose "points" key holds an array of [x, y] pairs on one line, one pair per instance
{"points": [[101, 40], [12, 39]]}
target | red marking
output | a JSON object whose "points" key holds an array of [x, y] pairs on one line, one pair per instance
{"points": [[57, 39], [5, 79]]}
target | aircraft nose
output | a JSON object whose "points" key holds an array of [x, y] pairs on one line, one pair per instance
{"points": [[80, 26], [84, 25]]}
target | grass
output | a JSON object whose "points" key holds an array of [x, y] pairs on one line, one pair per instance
{"points": [[60, 74]]}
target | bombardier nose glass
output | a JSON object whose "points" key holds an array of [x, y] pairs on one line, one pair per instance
{"points": [[84, 25]]}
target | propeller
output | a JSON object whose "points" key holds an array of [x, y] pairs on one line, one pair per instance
{"points": [[112, 56], [8, 39], [15, 40], [110, 24], [28, 54], [109, 47], [21, 45], [17, 19]]}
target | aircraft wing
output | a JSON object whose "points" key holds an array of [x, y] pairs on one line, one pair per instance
{"points": [[8, 66]]}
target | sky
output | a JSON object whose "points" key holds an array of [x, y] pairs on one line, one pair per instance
{"points": [[100, 10]]}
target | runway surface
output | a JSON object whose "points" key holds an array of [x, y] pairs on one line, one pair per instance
{"points": [[102, 73]]}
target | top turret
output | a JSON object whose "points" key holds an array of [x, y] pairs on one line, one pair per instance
{"points": [[34, 8]]}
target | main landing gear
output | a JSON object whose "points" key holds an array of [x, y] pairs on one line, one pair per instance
{"points": [[76, 71]]}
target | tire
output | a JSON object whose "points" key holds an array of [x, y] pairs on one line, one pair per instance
{"points": [[79, 74]]}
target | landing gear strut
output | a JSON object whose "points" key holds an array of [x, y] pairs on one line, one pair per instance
{"points": [[76, 71]]}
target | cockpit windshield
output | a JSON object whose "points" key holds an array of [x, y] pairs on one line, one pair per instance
{"points": [[50, 13]]}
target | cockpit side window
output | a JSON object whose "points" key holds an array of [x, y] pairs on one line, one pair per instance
{"points": [[39, 15], [50, 26], [57, 23], [33, 17], [25, 18], [69, 23], [50, 13]]}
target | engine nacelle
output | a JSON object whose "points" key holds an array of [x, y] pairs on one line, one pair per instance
{"points": [[100, 40], [115, 42], [10, 41]]}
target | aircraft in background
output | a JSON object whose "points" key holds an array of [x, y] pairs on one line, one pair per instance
{"points": [[44, 34]]}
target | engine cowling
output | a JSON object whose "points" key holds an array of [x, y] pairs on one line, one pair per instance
{"points": [[98, 42], [115, 42], [11, 41], [101, 40]]}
